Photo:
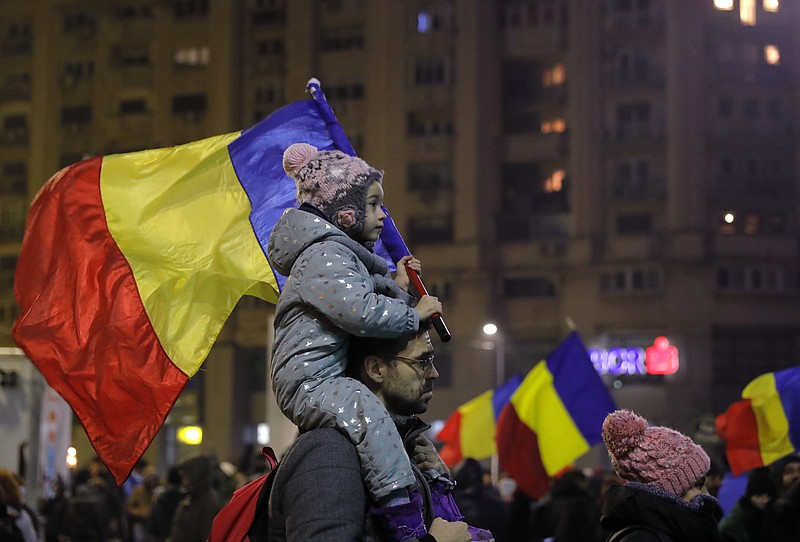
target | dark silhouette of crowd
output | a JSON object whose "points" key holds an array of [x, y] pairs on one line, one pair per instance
{"points": [[645, 499]]}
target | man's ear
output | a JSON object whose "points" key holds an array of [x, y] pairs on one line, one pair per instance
{"points": [[375, 368]]}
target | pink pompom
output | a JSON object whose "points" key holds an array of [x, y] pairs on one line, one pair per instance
{"points": [[622, 431], [297, 155]]}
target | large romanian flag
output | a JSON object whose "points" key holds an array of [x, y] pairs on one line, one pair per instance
{"points": [[765, 425], [131, 264], [470, 430], [554, 417]]}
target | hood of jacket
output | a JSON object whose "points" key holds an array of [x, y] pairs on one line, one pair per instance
{"points": [[638, 504], [297, 229]]}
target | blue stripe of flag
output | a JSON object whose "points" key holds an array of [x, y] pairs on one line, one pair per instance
{"points": [[787, 382], [580, 387]]}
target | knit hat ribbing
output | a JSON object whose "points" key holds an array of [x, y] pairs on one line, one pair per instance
{"points": [[655, 456], [333, 182]]}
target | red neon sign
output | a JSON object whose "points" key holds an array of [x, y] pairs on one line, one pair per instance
{"points": [[661, 358]]}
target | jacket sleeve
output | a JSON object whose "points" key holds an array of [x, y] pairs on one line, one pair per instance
{"points": [[324, 467], [335, 283]]}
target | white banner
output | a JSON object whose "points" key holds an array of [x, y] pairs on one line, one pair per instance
{"points": [[55, 437]]}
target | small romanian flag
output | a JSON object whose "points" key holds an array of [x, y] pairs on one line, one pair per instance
{"points": [[131, 264], [470, 430], [555, 416], [765, 425]]}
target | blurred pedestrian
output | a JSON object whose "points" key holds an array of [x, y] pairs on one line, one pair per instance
{"points": [[140, 506], [167, 498], [200, 503], [569, 513], [480, 504], [86, 517], [751, 520], [664, 497], [787, 505], [15, 516]]}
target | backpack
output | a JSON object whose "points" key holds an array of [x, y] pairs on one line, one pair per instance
{"points": [[620, 535], [245, 517]]}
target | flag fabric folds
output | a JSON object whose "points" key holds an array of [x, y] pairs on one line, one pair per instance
{"points": [[131, 264], [765, 425], [555, 416], [470, 430]]}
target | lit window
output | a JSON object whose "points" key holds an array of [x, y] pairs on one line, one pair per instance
{"points": [[423, 22], [554, 76], [747, 12], [555, 182], [772, 55], [772, 5], [553, 126], [724, 5]]}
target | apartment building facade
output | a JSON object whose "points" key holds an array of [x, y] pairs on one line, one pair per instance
{"points": [[626, 167]]}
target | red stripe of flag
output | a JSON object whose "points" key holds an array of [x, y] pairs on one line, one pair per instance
{"points": [[739, 429], [518, 452], [112, 389]]}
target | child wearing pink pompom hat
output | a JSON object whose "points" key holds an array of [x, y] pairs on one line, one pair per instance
{"points": [[664, 497], [337, 287]]}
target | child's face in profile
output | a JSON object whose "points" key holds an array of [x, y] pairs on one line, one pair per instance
{"points": [[374, 215]]}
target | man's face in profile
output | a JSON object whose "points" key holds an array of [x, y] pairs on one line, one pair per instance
{"points": [[408, 386]]}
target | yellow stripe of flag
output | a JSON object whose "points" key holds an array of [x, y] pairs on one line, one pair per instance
{"points": [[192, 261], [540, 408], [773, 426]]}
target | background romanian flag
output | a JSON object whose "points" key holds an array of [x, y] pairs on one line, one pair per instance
{"points": [[470, 430], [131, 264], [554, 417], [765, 425]]}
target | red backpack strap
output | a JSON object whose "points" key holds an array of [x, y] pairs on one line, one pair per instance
{"points": [[269, 455], [234, 520]]}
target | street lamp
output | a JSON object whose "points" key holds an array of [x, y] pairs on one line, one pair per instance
{"points": [[499, 347]]}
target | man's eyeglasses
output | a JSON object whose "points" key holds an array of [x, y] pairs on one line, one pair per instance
{"points": [[425, 364]]}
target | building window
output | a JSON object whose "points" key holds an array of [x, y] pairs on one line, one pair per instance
{"points": [[132, 107], [430, 230], [554, 75], [192, 56], [341, 39], [433, 19], [631, 280], [184, 9], [430, 176], [79, 21], [15, 128], [76, 116], [772, 5], [189, 105], [352, 91], [528, 287], [269, 12], [424, 125], [747, 12], [431, 71], [750, 108], [14, 179], [76, 70], [633, 121], [553, 126], [772, 55], [724, 5], [751, 223], [633, 223]]}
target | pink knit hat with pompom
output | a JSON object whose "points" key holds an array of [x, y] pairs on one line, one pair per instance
{"points": [[333, 182], [656, 456]]}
